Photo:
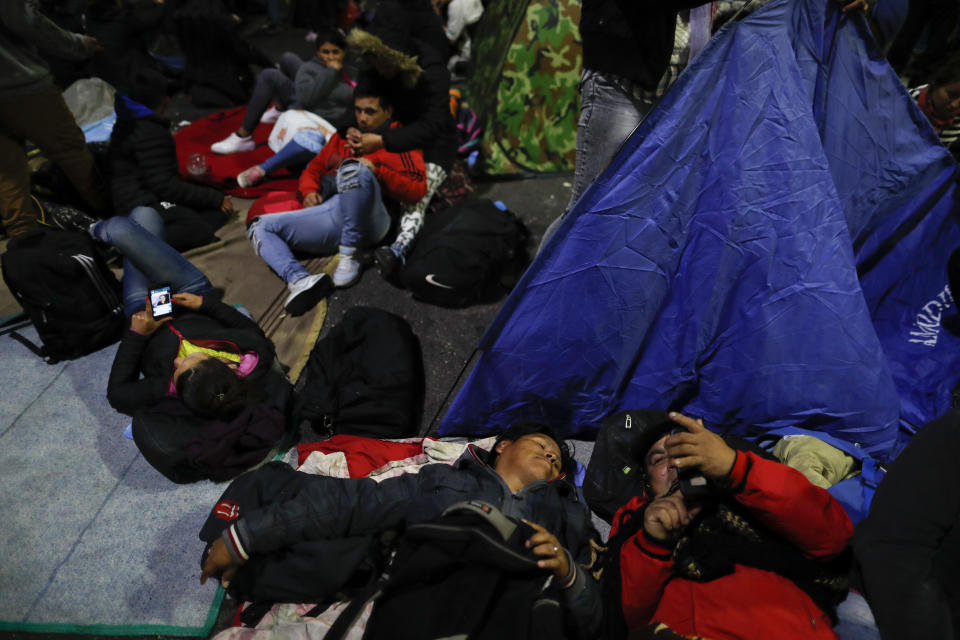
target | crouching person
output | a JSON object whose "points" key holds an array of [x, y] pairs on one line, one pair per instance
{"points": [[343, 199], [725, 543], [280, 513]]}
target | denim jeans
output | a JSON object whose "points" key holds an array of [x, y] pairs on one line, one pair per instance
{"points": [[272, 84], [147, 259], [354, 217], [607, 118]]}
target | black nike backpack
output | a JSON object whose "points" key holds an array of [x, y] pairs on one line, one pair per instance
{"points": [[68, 292], [472, 252]]}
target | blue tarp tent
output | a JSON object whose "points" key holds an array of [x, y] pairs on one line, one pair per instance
{"points": [[767, 250]]}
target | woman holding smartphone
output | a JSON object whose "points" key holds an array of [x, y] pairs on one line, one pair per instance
{"points": [[207, 353]]}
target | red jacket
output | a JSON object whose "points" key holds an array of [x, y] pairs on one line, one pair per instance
{"points": [[402, 176], [749, 603]]}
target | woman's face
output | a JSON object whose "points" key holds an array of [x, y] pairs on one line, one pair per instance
{"points": [[330, 55], [182, 365]]}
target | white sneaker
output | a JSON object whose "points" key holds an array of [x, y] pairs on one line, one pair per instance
{"points": [[348, 268], [270, 115], [233, 144], [306, 292]]}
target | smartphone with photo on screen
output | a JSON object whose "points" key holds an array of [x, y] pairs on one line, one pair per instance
{"points": [[161, 300]]}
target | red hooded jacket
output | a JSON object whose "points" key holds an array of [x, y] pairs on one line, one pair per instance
{"points": [[750, 602], [402, 176]]}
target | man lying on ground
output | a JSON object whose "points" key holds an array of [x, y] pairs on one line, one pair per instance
{"points": [[727, 541], [521, 476]]}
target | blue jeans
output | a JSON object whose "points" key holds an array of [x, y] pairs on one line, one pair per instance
{"points": [[147, 259], [354, 217], [607, 118]]}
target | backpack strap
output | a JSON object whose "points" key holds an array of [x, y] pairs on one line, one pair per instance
{"points": [[37, 351]]}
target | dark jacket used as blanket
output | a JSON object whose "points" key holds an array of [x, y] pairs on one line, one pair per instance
{"points": [[292, 509], [145, 171]]}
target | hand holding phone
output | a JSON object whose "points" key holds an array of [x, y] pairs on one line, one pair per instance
{"points": [[144, 323], [161, 302]]}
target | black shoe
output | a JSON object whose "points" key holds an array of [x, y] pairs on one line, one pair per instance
{"points": [[388, 264], [62, 216], [306, 293]]}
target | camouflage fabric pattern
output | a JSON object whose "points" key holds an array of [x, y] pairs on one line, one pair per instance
{"points": [[490, 45], [533, 124]]}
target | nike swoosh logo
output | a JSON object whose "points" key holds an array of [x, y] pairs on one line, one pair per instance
{"points": [[429, 278]]}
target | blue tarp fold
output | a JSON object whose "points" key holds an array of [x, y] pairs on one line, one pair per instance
{"points": [[767, 250]]}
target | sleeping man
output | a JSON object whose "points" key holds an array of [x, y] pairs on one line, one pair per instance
{"points": [[759, 554], [521, 476]]}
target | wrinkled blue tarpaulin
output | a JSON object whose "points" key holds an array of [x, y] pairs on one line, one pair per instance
{"points": [[767, 250]]}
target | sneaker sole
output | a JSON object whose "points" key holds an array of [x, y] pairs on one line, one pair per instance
{"points": [[310, 298]]}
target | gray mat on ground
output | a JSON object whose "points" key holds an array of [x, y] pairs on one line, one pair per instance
{"points": [[94, 540]]}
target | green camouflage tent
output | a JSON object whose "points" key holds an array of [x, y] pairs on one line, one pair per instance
{"points": [[526, 68]]}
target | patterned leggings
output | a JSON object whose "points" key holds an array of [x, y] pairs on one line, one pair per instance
{"points": [[412, 219]]}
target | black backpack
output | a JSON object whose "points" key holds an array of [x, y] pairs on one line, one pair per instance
{"points": [[65, 287], [364, 378], [471, 253], [466, 574]]}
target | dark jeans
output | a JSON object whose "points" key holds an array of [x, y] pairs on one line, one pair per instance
{"points": [[272, 84]]}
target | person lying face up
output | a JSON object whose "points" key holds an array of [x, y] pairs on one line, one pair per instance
{"points": [[522, 476], [730, 543]]}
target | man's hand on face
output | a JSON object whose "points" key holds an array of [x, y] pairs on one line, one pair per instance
{"points": [[699, 447], [665, 518], [219, 561]]}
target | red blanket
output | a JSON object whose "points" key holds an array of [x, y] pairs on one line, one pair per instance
{"points": [[222, 170], [363, 454]]}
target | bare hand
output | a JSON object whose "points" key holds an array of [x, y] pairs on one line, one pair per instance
{"points": [[545, 544], [699, 447], [367, 144], [219, 561], [144, 322], [188, 300], [91, 45], [227, 205], [312, 199], [353, 135], [369, 165], [665, 518]]}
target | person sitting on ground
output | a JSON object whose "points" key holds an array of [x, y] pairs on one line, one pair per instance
{"points": [[145, 169], [763, 550], [318, 85], [341, 194], [217, 59], [908, 548], [940, 101], [209, 355], [522, 476], [126, 32], [420, 85]]}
